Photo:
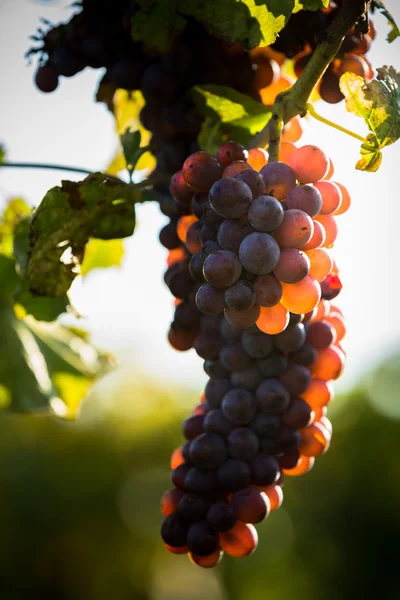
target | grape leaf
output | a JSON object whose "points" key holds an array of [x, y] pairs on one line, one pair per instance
{"points": [[65, 220], [250, 22], [378, 102], [310, 4], [100, 254], [229, 115], [394, 31]]}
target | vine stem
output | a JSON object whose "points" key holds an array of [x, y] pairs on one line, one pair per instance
{"points": [[294, 102], [311, 110]]}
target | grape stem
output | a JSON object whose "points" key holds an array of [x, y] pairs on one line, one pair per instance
{"points": [[311, 110], [294, 101]]}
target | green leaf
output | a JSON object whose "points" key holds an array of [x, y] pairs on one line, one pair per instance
{"points": [[130, 142], [394, 31], [65, 220], [8, 277], [229, 115], [250, 22], [15, 210], [100, 254], [378, 103], [310, 4]]}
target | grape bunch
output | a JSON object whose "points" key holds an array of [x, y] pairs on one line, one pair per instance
{"points": [[254, 281]]}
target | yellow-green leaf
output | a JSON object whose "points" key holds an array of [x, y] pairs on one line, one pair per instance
{"points": [[100, 254], [378, 103]]}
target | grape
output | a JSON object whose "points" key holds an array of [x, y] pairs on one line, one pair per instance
{"points": [[180, 190], [198, 204], [293, 266], [209, 247], [216, 422], [295, 230], [236, 167], [231, 233], [321, 334], [250, 505], [296, 378], [329, 364], [265, 425], [291, 339], [310, 164], [174, 530], [272, 396], [298, 414], [192, 426], [202, 538], [318, 394], [229, 332], [177, 458], [179, 474], [183, 225], [221, 516], [317, 238], [304, 465], [293, 130], [210, 300], [244, 318], [269, 446], [336, 320], [259, 253], [301, 297], [222, 268], [200, 482], [243, 443], [215, 390], [289, 460], [207, 347], [181, 340], [233, 475], [229, 152], [170, 501], [329, 224], [275, 495], [208, 451], [354, 64], [264, 470], [267, 71], [186, 447], [210, 324], [240, 296], [331, 286], [305, 355], [286, 151], [192, 240], [265, 213], [207, 562], [214, 368], [288, 438], [273, 320], [254, 181], [329, 89], [230, 197], [196, 267], [315, 440], [193, 507], [168, 237], [201, 170], [46, 79], [233, 357], [212, 219], [346, 200], [249, 379], [257, 345], [239, 406], [268, 290], [257, 158], [240, 541], [279, 179], [331, 196], [307, 198]]}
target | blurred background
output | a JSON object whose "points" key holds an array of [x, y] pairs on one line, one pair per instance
{"points": [[79, 502]]}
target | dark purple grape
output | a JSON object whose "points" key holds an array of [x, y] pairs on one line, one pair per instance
{"points": [[216, 422], [207, 346], [212, 219], [230, 151], [279, 179], [272, 396], [46, 79], [264, 470], [242, 319], [289, 459], [200, 482], [229, 332], [210, 324], [230, 197], [240, 296], [180, 190], [293, 265], [306, 355], [250, 505], [259, 253], [288, 438], [291, 339], [273, 365], [233, 475], [65, 62], [209, 247], [168, 237], [243, 443], [215, 390], [187, 316], [268, 290], [199, 203], [265, 425], [214, 368], [193, 507], [210, 300], [233, 357], [296, 378], [202, 538], [174, 530], [201, 170], [196, 267], [179, 280], [298, 414], [232, 232], [265, 213], [222, 268], [221, 516], [306, 198], [320, 334], [179, 474], [249, 379], [254, 181], [257, 344], [239, 406], [208, 451], [269, 446], [193, 426]]}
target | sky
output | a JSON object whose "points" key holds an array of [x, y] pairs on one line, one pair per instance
{"points": [[128, 309]]}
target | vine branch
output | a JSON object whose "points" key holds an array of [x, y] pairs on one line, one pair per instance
{"points": [[294, 102]]}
